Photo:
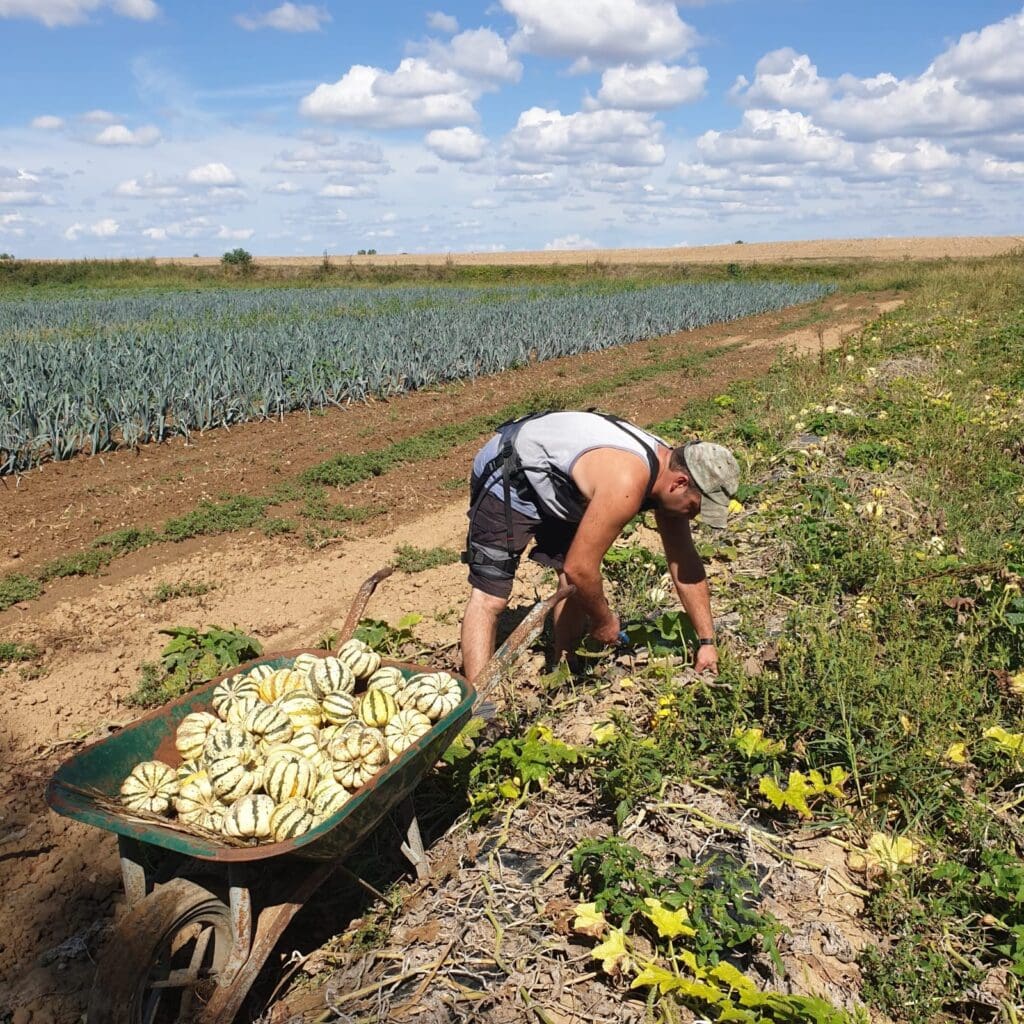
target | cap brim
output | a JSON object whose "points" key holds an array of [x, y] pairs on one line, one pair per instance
{"points": [[713, 514]]}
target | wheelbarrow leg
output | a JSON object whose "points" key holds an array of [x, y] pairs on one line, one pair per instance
{"points": [[133, 874], [412, 848], [226, 1001]]}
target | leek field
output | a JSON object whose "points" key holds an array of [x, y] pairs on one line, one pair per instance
{"points": [[87, 374]]}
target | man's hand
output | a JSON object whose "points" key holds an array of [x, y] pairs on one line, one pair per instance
{"points": [[707, 659], [608, 631]]}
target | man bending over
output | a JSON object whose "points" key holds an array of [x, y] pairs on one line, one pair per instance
{"points": [[572, 481]]}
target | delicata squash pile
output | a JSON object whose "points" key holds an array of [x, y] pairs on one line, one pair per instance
{"points": [[285, 749]]}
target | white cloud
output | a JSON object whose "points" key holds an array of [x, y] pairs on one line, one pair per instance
{"points": [[288, 17], [654, 86], [211, 174], [989, 60], [415, 78], [149, 187], [480, 54], [346, 192], [776, 137], [105, 228], [920, 157], [55, 13], [99, 117], [47, 122], [441, 22], [784, 78], [998, 171], [235, 234], [370, 96], [121, 135], [461, 145], [283, 188], [24, 197], [483, 204], [570, 242], [600, 32], [620, 137], [14, 225], [351, 158]]}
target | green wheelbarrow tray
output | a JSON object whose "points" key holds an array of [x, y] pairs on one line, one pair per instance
{"points": [[103, 766]]}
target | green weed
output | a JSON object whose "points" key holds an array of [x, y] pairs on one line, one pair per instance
{"points": [[411, 559], [172, 591]]}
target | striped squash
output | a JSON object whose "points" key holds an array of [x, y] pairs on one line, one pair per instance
{"points": [[376, 708], [283, 681], [388, 679], [225, 738], [302, 708], [291, 819], [435, 694], [288, 775], [150, 787], [360, 658], [192, 732], [237, 709], [338, 708], [358, 754], [249, 817], [329, 675], [304, 662], [307, 741], [260, 672], [269, 725], [187, 769], [235, 775], [404, 729], [329, 798], [197, 804], [230, 690]]}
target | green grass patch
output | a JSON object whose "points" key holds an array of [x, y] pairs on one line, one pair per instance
{"points": [[187, 588], [410, 559], [10, 652], [15, 588], [213, 517]]}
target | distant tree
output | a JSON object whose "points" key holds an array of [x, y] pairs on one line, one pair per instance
{"points": [[371, 252], [240, 258], [360, 252], [6, 255], [739, 241]]}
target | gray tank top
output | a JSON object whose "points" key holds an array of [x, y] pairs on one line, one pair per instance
{"points": [[548, 448]]}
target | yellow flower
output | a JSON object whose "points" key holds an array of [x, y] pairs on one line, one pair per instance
{"points": [[956, 753], [602, 733], [735, 507], [1017, 684], [627, 683]]}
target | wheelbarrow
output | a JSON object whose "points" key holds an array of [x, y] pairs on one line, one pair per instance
{"points": [[204, 916]]}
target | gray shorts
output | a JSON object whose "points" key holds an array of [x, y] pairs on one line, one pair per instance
{"points": [[552, 539]]}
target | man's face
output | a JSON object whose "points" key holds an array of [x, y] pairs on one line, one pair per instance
{"points": [[682, 499]]}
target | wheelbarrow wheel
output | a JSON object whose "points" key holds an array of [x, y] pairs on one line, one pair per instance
{"points": [[161, 964]]}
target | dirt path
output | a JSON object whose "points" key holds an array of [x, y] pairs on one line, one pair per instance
{"points": [[60, 880]]}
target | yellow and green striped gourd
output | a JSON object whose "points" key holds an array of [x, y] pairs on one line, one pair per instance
{"points": [[338, 708], [269, 725], [197, 804], [230, 690], [302, 708], [328, 798], [360, 658], [150, 787], [357, 755], [304, 662], [235, 775], [283, 681], [329, 675], [376, 708], [287, 774], [291, 819], [225, 738], [388, 679], [435, 694], [404, 729], [191, 733], [249, 817]]}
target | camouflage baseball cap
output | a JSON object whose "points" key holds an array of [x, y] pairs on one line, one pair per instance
{"points": [[716, 474]]}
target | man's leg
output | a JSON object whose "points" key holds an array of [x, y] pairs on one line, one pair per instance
{"points": [[569, 621], [479, 631]]}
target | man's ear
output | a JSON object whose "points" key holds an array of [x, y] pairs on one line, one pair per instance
{"points": [[680, 480]]}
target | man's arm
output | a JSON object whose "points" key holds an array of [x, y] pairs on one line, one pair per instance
{"points": [[690, 580], [616, 497]]}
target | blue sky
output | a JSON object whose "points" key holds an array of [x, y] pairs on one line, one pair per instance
{"points": [[151, 127]]}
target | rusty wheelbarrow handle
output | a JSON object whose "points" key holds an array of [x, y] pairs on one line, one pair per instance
{"points": [[363, 595], [520, 638]]}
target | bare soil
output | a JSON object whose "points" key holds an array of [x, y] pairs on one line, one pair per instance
{"points": [[60, 880], [819, 250]]}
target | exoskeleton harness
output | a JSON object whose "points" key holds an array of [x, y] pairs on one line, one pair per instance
{"points": [[514, 476]]}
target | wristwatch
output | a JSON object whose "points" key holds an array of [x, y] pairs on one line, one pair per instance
{"points": [[706, 641]]}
